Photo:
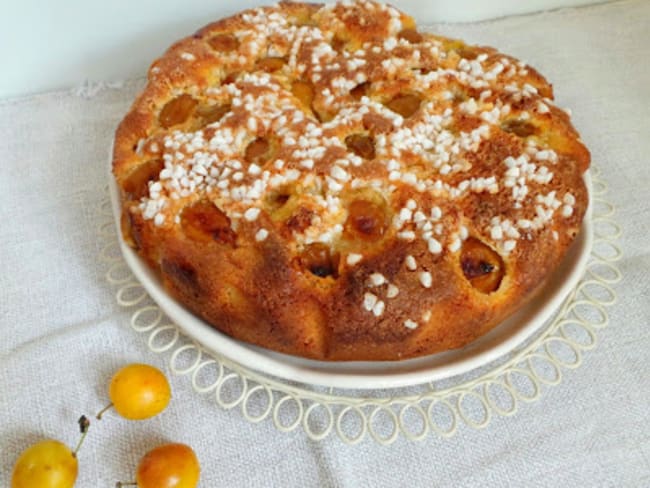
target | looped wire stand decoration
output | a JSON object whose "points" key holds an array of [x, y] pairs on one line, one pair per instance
{"points": [[415, 412]]}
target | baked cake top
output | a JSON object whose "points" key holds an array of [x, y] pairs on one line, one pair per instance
{"points": [[336, 128]]}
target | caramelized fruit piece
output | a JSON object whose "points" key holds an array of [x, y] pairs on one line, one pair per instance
{"points": [[338, 44], [453, 44], [366, 220], [181, 273], [230, 78], [278, 198], [377, 124], [518, 127], [177, 110], [300, 219], [459, 94], [405, 105], [467, 53], [423, 70], [305, 17], [203, 221], [481, 265], [410, 35], [224, 43], [361, 90], [318, 260], [258, 151], [136, 185], [282, 203], [213, 113], [270, 64], [128, 232], [322, 114], [303, 91], [361, 145]]}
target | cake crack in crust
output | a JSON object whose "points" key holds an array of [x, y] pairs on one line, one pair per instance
{"points": [[330, 182]]}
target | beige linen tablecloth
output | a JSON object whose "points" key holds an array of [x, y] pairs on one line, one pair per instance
{"points": [[63, 335]]}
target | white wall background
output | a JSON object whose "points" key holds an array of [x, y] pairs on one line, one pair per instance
{"points": [[46, 45]]}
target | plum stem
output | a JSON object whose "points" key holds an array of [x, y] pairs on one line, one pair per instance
{"points": [[84, 425], [103, 410]]}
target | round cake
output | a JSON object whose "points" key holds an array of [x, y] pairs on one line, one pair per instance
{"points": [[329, 182]]}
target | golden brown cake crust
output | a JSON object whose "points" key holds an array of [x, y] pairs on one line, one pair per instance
{"points": [[328, 182]]}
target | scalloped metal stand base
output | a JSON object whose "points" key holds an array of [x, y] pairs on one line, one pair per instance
{"points": [[415, 412]]}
